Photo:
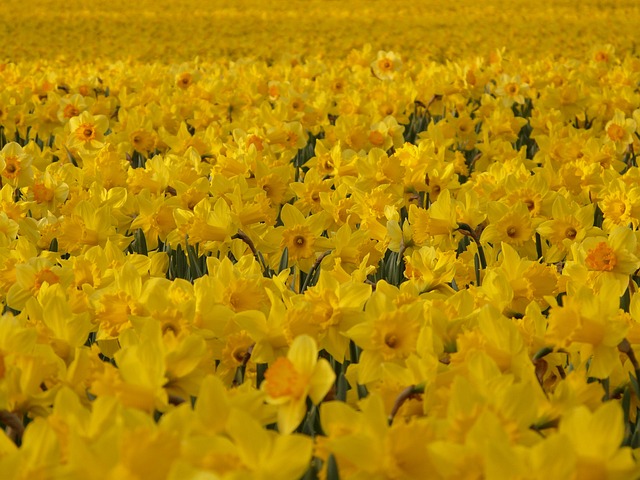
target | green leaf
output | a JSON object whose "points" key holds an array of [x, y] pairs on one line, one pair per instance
{"points": [[635, 438], [362, 391], [626, 404], [483, 259], [194, 267], [606, 386], [261, 368], [543, 352], [309, 425], [332, 468], [139, 244], [476, 267], [538, 246], [634, 385], [284, 260], [72, 159], [342, 387], [625, 300], [312, 472], [598, 217], [354, 351]]}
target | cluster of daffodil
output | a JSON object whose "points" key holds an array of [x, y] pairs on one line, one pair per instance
{"points": [[376, 266], [170, 31]]}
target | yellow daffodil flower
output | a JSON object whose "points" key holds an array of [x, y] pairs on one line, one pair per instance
{"points": [[290, 380]]}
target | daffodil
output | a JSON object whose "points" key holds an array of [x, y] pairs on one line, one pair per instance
{"points": [[290, 380], [511, 90], [594, 323], [334, 161], [365, 446], [439, 220], [155, 217], [354, 247], [619, 130], [388, 334], [264, 453], [274, 182], [595, 439], [302, 236], [15, 164], [209, 225], [386, 65], [66, 331], [510, 225], [620, 205], [268, 332], [309, 190], [327, 311], [430, 269], [31, 276], [141, 375], [240, 286], [86, 131], [517, 281], [182, 140], [570, 223], [496, 336], [604, 260], [47, 192]]}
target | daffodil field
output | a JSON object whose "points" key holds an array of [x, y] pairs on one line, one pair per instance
{"points": [[319, 240]]}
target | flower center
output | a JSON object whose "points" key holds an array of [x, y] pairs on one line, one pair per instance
{"points": [[185, 80], [170, 327], [283, 380], [570, 233], [45, 275], [601, 57], [376, 138], [12, 167], [70, 111], [86, 132], [391, 340], [41, 193], [256, 142], [239, 354], [385, 65], [292, 139], [512, 232], [299, 240], [601, 258], [615, 132]]}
